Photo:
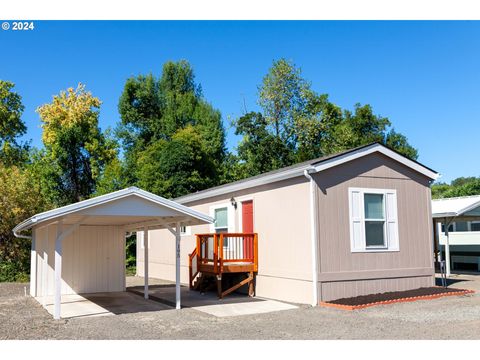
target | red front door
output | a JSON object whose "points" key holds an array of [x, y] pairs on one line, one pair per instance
{"points": [[247, 227]]}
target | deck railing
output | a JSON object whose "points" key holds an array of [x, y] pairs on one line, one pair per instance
{"points": [[223, 248]]}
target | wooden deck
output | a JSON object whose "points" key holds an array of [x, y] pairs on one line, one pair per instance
{"points": [[224, 253]]}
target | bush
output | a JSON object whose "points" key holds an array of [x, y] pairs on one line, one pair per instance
{"points": [[11, 272]]}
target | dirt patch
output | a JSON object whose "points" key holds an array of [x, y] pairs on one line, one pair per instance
{"points": [[396, 296], [453, 317]]}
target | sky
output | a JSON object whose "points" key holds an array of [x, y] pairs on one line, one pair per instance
{"points": [[424, 76]]}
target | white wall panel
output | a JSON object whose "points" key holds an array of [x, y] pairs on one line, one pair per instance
{"points": [[93, 260]]}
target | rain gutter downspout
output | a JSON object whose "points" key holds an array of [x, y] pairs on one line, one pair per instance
{"points": [[313, 234]]}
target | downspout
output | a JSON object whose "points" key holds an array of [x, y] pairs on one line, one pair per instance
{"points": [[314, 237]]}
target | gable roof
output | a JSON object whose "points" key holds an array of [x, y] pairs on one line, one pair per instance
{"points": [[312, 166], [89, 206], [453, 207]]}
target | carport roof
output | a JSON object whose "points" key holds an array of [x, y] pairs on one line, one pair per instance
{"points": [[131, 207], [454, 207]]}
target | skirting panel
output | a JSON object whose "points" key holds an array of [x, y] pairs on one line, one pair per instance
{"points": [[343, 289]]}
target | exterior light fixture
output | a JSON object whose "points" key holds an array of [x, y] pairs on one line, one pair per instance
{"points": [[233, 202]]}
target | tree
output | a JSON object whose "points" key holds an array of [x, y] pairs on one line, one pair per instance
{"points": [[259, 150], [11, 126], [19, 200], [462, 186], [399, 142], [74, 143], [176, 167], [282, 98], [297, 124], [153, 112]]}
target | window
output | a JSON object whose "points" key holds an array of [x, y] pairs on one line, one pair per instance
{"points": [[373, 220], [221, 220], [475, 226], [223, 215], [185, 230], [461, 226]]}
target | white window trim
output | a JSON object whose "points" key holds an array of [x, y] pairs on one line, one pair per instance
{"points": [[188, 231], [364, 248], [230, 216]]}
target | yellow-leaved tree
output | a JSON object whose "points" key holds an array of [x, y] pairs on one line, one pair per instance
{"points": [[75, 147]]}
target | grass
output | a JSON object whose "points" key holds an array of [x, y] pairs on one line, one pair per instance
{"points": [[131, 270]]}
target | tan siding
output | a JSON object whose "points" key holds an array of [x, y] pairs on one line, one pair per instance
{"points": [[414, 224], [93, 260], [281, 218]]}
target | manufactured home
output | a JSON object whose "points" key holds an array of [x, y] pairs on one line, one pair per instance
{"points": [[354, 223], [457, 232], [350, 224]]}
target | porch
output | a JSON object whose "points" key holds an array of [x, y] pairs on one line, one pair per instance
{"points": [[222, 255]]}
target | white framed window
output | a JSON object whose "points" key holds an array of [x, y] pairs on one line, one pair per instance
{"points": [[475, 226], [373, 220], [185, 230], [224, 215]]}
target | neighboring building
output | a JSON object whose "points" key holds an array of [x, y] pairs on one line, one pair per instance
{"points": [[354, 223], [462, 214]]}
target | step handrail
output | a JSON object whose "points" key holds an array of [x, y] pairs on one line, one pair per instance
{"points": [[193, 268]]}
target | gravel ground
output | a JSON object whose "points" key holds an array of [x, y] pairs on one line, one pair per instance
{"points": [[446, 318]]}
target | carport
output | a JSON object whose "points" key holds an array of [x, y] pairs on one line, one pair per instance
{"points": [[80, 248], [449, 210]]}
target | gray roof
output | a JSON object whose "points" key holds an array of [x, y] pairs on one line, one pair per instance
{"points": [[298, 170], [103, 199]]}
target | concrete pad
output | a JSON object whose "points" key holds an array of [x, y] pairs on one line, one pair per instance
{"points": [[232, 305], [75, 306], [251, 308], [101, 304]]}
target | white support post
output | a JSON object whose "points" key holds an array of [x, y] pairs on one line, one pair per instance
{"points": [[45, 276], [177, 267], [145, 261], [34, 267], [447, 249], [58, 272]]}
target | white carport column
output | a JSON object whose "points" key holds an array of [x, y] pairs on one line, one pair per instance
{"points": [[447, 248], [58, 272], [145, 261], [177, 267]]}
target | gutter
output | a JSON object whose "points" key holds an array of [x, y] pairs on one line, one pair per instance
{"points": [[19, 236], [314, 237]]}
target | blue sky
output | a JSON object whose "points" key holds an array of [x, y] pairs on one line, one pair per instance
{"points": [[423, 76]]}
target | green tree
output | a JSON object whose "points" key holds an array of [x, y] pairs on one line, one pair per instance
{"points": [[176, 167], [282, 98], [153, 112], [297, 124], [19, 200], [74, 144], [259, 150], [462, 186], [11, 126]]}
